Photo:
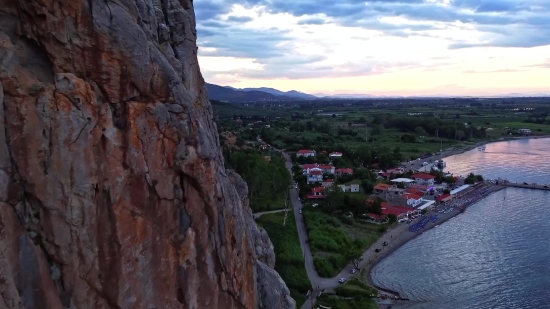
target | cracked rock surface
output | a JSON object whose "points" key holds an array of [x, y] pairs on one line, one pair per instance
{"points": [[112, 187]]}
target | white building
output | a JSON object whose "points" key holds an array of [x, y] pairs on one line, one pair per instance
{"points": [[314, 176], [424, 179], [524, 131], [349, 188], [335, 155]]}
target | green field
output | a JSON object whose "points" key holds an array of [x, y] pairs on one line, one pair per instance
{"points": [[330, 239], [288, 253]]}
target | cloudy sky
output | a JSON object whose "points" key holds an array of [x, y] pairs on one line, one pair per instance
{"points": [[380, 47]]}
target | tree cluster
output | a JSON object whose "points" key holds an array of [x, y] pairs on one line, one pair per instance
{"points": [[267, 181]]}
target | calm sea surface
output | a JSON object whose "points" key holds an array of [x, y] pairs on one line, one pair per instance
{"points": [[497, 253]]}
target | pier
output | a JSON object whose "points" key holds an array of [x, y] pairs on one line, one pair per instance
{"points": [[527, 185]]}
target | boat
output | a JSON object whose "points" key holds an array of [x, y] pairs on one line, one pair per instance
{"points": [[440, 163]]}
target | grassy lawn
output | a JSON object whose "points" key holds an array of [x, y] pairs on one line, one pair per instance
{"points": [[355, 288], [288, 253], [267, 205], [336, 302], [330, 239]]}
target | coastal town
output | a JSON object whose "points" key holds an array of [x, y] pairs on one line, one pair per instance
{"points": [[416, 196], [362, 184]]}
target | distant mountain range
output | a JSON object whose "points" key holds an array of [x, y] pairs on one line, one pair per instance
{"points": [[230, 94]]}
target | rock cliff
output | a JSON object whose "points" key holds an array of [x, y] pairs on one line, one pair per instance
{"points": [[112, 187]]}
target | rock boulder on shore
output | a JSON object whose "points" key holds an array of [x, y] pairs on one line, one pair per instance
{"points": [[112, 187]]}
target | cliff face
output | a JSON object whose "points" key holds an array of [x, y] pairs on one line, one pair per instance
{"points": [[112, 187]]}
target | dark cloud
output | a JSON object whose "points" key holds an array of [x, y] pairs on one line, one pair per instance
{"points": [[502, 23], [259, 44], [312, 21], [239, 19]]}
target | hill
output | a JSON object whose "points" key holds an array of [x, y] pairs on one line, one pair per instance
{"points": [[230, 94]]}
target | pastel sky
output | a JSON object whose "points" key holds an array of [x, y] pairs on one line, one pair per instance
{"points": [[379, 47]]}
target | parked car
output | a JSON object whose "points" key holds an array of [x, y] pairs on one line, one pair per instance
{"points": [[353, 271], [300, 210], [342, 280], [378, 250], [385, 243]]}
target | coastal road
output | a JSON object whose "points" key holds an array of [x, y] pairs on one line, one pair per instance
{"points": [[318, 283]]}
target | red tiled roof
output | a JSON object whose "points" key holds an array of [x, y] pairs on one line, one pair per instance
{"points": [[442, 197], [395, 210], [418, 187], [316, 173], [386, 174], [345, 170], [423, 176], [326, 167], [309, 166], [311, 196], [382, 186], [375, 216], [414, 191], [304, 151], [413, 196], [328, 180]]}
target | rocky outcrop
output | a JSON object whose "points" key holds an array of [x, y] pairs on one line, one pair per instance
{"points": [[112, 187]]}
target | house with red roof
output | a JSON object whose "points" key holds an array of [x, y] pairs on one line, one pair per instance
{"points": [[328, 183], [382, 187], [415, 191], [413, 200], [424, 179], [444, 197], [317, 193], [399, 211], [305, 153], [309, 167], [329, 169], [314, 176], [343, 171], [335, 155]]}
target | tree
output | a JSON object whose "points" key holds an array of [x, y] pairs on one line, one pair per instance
{"points": [[460, 134], [420, 131], [367, 186], [354, 252]]}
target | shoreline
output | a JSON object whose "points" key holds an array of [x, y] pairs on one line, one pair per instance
{"points": [[452, 152], [405, 236]]}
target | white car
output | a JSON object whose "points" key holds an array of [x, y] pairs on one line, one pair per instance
{"points": [[300, 211], [353, 271], [342, 280]]}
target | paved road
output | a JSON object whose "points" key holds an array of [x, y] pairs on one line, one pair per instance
{"points": [[318, 283]]}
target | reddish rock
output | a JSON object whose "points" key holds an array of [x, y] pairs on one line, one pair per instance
{"points": [[112, 187]]}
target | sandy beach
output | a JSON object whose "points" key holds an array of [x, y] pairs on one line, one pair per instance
{"points": [[401, 234]]}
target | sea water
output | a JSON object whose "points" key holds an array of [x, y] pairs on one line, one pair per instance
{"points": [[497, 253]]}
